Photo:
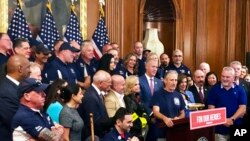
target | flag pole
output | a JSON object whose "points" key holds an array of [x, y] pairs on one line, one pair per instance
{"points": [[101, 10]]}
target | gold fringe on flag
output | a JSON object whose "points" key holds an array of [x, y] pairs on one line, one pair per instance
{"points": [[101, 10], [20, 3], [49, 6]]}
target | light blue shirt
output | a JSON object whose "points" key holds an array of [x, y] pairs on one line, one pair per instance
{"points": [[54, 110], [190, 96]]}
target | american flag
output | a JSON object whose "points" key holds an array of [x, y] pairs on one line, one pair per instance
{"points": [[73, 29], [18, 27], [100, 38], [49, 33]]}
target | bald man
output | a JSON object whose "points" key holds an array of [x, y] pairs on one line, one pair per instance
{"points": [[114, 99], [198, 89], [93, 103], [177, 63], [138, 50], [18, 68]]}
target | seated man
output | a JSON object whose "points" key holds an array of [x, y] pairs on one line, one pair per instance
{"points": [[29, 122], [122, 124]]}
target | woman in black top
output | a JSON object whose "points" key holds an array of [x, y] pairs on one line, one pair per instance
{"points": [[133, 104]]}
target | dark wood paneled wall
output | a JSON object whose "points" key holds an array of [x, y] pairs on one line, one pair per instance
{"points": [[247, 38], [92, 16], [215, 31], [122, 23]]}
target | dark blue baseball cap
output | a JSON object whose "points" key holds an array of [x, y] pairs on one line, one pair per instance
{"points": [[67, 46], [30, 84]]}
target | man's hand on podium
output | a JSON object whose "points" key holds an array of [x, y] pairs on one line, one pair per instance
{"points": [[168, 121]]}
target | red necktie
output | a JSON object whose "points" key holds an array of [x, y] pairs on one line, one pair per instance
{"points": [[151, 85]]}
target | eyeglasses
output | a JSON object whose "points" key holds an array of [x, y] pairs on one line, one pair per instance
{"points": [[31, 87]]}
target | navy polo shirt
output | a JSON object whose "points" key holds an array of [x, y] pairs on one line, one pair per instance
{"points": [[141, 66], [113, 135], [4, 58], [57, 69], [182, 69], [170, 103], [26, 121], [90, 68], [119, 68], [231, 99], [123, 72]]}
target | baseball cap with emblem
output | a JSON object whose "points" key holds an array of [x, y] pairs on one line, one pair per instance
{"points": [[30, 84], [67, 46]]}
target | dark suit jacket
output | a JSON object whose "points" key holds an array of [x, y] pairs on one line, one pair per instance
{"points": [[92, 103], [146, 94], [9, 103], [245, 85], [195, 92]]}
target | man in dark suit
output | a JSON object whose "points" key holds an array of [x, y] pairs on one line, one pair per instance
{"points": [[149, 83], [138, 50], [93, 103], [198, 89], [18, 68], [237, 66]]}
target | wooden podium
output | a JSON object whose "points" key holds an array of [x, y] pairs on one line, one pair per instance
{"points": [[181, 132]]}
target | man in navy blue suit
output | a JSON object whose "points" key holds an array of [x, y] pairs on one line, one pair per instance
{"points": [[149, 84], [93, 103], [18, 68]]}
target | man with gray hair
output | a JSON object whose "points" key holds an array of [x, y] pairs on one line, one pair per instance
{"points": [[86, 64], [205, 67], [93, 103], [231, 96], [167, 104], [236, 65], [30, 121]]}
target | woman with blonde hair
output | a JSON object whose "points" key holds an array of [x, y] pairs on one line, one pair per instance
{"points": [[130, 65], [134, 105]]}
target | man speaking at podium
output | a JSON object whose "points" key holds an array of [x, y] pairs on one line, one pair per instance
{"points": [[168, 105]]}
